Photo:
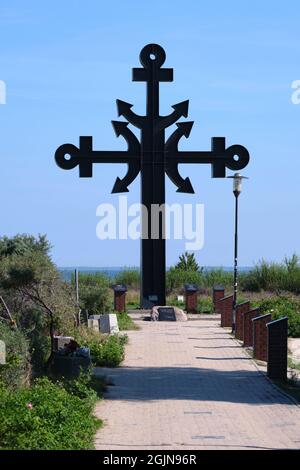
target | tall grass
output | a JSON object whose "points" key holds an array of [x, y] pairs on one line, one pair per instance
{"points": [[175, 279], [129, 277], [273, 277], [265, 276], [96, 279]]}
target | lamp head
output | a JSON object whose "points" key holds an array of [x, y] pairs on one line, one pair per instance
{"points": [[237, 183]]}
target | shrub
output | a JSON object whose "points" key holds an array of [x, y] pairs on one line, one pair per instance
{"points": [[172, 300], [176, 278], [284, 307], [94, 293], [86, 386], [274, 277], [46, 417], [95, 299], [125, 322], [205, 304], [108, 353], [217, 277], [16, 371], [129, 277], [106, 350]]}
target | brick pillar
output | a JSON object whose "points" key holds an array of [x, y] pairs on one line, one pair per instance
{"points": [[218, 293], [248, 326], [278, 349], [260, 337], [225, 306], [240, 310], [191, 298], [119, 297]]}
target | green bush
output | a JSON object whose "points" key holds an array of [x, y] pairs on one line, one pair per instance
{"points": [[94, 292], [125, 322], [129, 277], [217, 277], [86, 386], [16, 371], [273, 277], [106, 350], [176, 278], [172, 300], [46, 417], [283, 307], [205, 304], [109, 352]]}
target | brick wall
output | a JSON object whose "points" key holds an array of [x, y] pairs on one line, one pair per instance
{"points": [[225, 306], [260, 337], [240, 310], [191, 302], [218, 294], [248, 326]]}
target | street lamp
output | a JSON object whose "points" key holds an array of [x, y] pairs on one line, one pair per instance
{"points": [[237, 189]]}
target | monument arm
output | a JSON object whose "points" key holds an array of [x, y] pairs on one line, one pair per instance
{"points": [[234, 157], [68, 156]]}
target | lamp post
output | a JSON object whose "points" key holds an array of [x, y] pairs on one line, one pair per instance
{"points": [[237, 189]]}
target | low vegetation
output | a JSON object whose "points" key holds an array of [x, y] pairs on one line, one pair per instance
{"points": [[106, 350], [125, 322], [283, 306], [37, 411], [48, 416]]}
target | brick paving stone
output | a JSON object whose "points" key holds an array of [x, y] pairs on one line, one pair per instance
{"points": [[191, 386]]}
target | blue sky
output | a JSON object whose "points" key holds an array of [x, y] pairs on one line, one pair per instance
{"points": [[65, 64]]}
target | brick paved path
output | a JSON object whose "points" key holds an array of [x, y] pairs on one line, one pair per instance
{"points": [[191, 386]]}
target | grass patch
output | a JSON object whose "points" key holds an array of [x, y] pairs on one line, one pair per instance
{"points": [[125, 322]]}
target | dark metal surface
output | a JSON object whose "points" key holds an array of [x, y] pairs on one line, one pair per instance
{"points": [[153, 157], [166, 314], [235, 269], [278, 349]]}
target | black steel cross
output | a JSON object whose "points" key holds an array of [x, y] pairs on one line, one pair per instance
{"points": [[152, 156]]}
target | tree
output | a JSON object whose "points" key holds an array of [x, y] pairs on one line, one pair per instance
{"points": [[22, 244], [33, 286], [187, 262]]}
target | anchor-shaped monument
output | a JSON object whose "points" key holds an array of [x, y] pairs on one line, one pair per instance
{"points": [[152, 156]]}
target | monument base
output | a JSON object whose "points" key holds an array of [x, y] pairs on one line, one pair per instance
{"points": [[167, 313]]}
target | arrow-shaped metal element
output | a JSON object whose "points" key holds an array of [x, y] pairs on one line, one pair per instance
{"points": [[180, 109], [124, 109], [121, 185], [183, 185], [121, 128], [134, 148]]}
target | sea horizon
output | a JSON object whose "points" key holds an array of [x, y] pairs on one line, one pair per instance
{"points": [[112, 271]]}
